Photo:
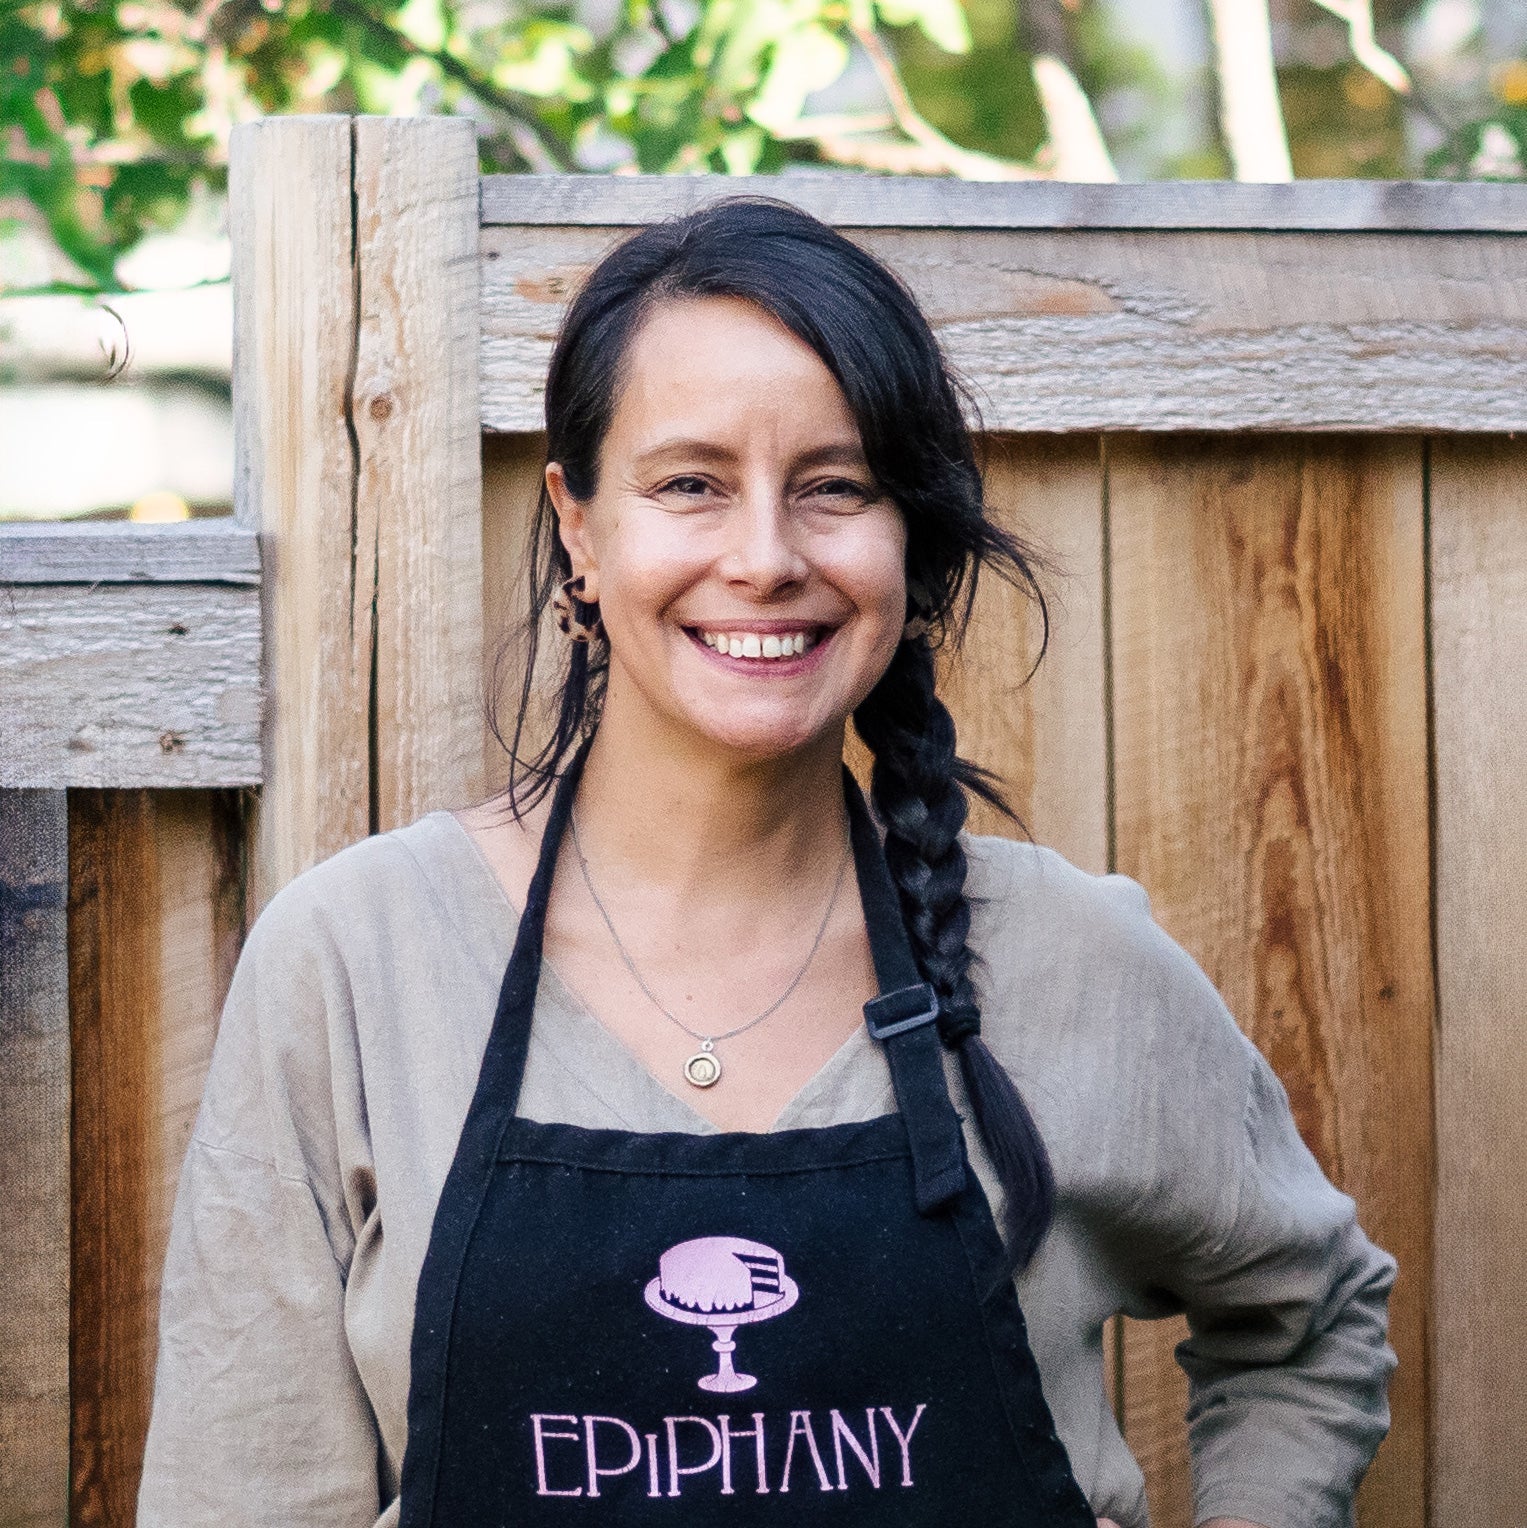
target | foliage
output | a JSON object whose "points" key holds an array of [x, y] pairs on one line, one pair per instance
{"points": [[116, 113], [115, 110]]}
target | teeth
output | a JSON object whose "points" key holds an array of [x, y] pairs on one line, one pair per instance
{"points": [[750, 645]]}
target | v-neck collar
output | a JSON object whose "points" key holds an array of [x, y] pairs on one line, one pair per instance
{"points": [[571, 1032]]}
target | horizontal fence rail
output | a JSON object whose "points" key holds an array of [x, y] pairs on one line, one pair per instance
{"points": [[871, 201], [130, 655], [1314, 307]]}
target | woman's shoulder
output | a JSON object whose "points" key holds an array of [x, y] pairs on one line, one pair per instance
{"points": [[1023, 892], [383, 888], [1074, 959]]}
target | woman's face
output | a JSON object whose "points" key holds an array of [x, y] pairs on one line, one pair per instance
{"points": [[748, 568]]}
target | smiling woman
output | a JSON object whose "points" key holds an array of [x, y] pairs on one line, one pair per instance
{"points": [[540, 1132], [735, 512]]}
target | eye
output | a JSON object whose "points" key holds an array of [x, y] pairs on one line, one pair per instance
{"points": [[687, 486], [840, 493], [688, 491]]}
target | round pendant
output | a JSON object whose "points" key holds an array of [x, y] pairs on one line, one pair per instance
{"points": [[703, 1069]]}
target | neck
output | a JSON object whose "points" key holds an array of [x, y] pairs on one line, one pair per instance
{"points": [[700, 821]]}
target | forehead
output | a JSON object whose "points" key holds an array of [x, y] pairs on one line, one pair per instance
{"points": [[722, 367]]}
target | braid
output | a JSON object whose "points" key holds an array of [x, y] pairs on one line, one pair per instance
{"points": [[919, 788], [914, 419]]}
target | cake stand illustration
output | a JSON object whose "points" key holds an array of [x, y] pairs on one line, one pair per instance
{"points": [[722, 1282]]}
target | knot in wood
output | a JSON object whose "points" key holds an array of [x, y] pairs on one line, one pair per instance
{"points": [[381, 406]]}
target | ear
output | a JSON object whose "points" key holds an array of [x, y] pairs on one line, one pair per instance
{"points": [[573, 528]]}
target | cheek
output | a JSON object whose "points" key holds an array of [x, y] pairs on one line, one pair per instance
{"points": [[870, 569], [641, 573]]}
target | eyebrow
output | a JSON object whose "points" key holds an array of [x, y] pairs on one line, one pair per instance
{"points": [[841, 453]]}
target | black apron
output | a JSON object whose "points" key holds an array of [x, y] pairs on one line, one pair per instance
{"points": [[790, 1327]]}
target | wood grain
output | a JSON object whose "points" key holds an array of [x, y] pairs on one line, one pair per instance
{"points": [[1044, 737], [419, 491], [878, 201], [143, 684], [34, 1160], [1271, 789], [155, 919], [1081, 330], [512, 467], [296, 461], [1479, 647], [117, 551]]}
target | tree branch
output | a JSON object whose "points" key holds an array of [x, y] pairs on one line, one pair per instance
{"points": [[938, 152], [1076, 141], [1250, 111], [534, 144], [1358, 14]]}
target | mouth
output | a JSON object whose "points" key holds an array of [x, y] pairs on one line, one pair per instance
{"points": [[781, 645]]}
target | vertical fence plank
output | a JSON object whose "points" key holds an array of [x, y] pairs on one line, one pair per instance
{"points": [[1045, 737], [1271, 790], [154, 922], [356, 322], [296, 459], [1479, 647], [511, 467], [415, 413], [34, 1160], [114, 1000]]}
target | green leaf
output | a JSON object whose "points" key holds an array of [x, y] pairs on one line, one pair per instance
{"points": [[803, 61], [543, 62], [941, 21], [740, 150]]}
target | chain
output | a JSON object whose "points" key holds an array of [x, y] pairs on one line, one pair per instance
{"points": [[779, 1002]]}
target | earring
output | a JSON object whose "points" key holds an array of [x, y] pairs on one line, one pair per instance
{"points": [[577, 618]]}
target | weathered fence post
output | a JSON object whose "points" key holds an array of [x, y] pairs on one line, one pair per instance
{"points": [[359, 459], [34, 1160], [1478, 614]]}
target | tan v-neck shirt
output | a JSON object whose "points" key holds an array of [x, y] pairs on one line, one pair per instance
{"points": [[346, 1060]]}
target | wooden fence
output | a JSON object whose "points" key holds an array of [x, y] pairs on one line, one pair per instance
{"points": [[1270, 431]]}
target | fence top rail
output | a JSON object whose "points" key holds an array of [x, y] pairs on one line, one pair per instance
{"points": [[873, 201]]}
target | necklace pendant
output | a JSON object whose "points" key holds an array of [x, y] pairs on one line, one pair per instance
{"points": [[703, 1069]]}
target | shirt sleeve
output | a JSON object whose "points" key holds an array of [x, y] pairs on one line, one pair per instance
{"points": [[259, 1417], [1286, 1299]]}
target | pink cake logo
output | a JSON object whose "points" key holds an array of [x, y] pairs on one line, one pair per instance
{"points": [[722, 1282]]}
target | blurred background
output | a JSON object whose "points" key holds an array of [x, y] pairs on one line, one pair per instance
{"points": [[115, 312]]}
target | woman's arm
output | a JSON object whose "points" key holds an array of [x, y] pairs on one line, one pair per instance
{"points": [[1288, 1365], [259, 1417]]}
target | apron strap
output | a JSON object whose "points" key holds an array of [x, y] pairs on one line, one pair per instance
{"points": [[904, 1019], [503, 1068]]}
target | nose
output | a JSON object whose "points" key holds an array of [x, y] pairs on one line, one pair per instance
{"points": [[763, 551]]}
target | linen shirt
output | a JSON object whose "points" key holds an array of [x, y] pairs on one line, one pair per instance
{"points": [[347, 1056]]}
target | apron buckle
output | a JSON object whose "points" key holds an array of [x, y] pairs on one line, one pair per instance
{"points": [[893, 1013]]}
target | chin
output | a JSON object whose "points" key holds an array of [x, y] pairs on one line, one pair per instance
{"points": [[764, 742]]}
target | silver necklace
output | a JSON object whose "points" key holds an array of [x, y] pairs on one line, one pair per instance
{"points": [[703, 1069]]}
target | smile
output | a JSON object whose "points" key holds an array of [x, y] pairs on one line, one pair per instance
{"points": [[770, 647]]}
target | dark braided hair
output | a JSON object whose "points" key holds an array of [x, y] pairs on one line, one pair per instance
{"points": [[867, 328]]}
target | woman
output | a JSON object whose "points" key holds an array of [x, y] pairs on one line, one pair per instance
{"points": [[611, 1153]]}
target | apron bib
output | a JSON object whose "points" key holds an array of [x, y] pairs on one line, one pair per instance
{"points": [[789, 1327]]}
